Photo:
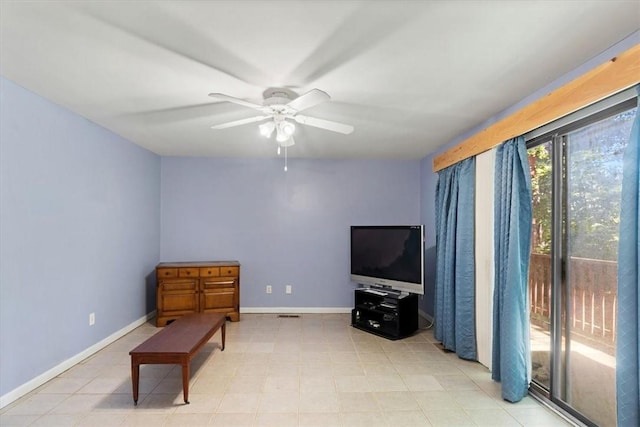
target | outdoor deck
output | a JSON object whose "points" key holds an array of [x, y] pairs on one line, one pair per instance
{"points": [[592, 326]]}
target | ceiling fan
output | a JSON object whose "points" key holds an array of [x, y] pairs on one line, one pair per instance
{"points": [[281, 107]]}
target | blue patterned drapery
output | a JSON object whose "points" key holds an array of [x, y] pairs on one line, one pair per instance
{"points": [[628, 335], [511, 362], [455, 272]]}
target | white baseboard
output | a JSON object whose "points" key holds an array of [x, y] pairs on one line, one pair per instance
{"points": [[36, 382], [296, 310], [309, 310]]}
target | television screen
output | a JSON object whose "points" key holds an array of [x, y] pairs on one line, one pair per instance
{"points": [[388, 256]]}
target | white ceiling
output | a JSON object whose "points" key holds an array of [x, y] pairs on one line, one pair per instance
{"points": [[409, 75]]}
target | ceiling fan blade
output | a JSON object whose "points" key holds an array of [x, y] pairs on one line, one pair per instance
{"points": [[240, 122], [363, 30], [163, 29], [223, 97], [309, 99], [324, 124]]}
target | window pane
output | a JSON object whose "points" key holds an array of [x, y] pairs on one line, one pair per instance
{"points": [[540, 264], [593, 183]]}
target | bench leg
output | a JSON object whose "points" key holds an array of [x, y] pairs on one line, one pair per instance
{"points": [[135, 379], [185, 380], [224, 330]]}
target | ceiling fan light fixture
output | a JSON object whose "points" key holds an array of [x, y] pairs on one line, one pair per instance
{"points": [[281, 137], [288, 128], [284, 130], [266, 129]]}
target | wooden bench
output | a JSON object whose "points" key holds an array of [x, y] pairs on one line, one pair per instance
{"points": [[177, 343]]}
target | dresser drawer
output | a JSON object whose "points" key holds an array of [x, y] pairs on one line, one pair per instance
{"points": [[209, 271], [217, 283], [178, 285], [167, 272], [229, 271], [188, 272]]}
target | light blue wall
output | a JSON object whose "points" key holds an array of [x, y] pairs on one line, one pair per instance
{"points": [[428, 181], [79, 233], [284, 227]]}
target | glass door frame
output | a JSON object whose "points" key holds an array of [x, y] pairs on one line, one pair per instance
{"points": [[556, 134]]}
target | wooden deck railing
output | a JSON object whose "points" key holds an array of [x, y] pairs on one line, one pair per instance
{"points": [[592, 294]]}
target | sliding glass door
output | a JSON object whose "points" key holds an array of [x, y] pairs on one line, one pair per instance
{"points": [[540, 283], [576, 180]]}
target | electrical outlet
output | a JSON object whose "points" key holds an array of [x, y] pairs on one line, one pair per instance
{"points": [[288, 289], [268, 289], [92, 319]]}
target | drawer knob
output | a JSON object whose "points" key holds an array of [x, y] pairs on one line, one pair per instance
{"points": [[188, 273]]}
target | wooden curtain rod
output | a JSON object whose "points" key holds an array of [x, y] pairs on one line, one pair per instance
{"points": [[615, 75]]}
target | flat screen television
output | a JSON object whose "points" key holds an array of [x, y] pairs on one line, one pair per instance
{"points": [[389, 256]]}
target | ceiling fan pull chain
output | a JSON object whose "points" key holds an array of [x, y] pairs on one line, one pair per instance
{"points": [[285, 159], [278, 150]]}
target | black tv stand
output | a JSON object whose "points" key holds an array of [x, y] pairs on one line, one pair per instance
{"points": [[390, 315]]}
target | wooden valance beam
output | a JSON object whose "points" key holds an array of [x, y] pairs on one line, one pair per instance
{"points": [[615, 75]]}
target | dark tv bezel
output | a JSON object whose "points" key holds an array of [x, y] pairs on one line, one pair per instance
{"points": [[389, 284]]}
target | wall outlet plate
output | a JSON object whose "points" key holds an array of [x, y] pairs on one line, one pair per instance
{"points": [[268, 289], [92, 319], [288, 289]]}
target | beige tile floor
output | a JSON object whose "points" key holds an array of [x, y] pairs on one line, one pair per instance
{"points": [[315, 370]]}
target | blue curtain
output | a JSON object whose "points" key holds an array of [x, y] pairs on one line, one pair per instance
{"points": [[455, 267], [628, 339], [511, 363]]}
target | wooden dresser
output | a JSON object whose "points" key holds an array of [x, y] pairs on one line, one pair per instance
{"points": [[197, 287]]}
